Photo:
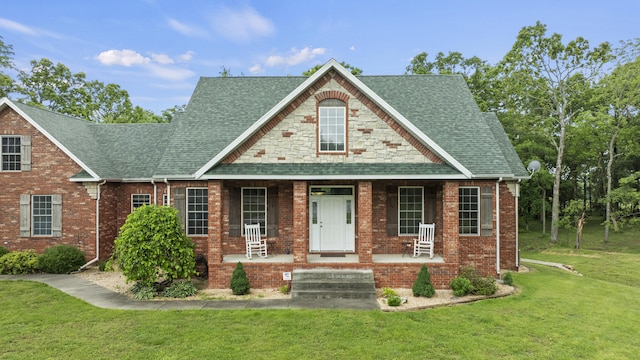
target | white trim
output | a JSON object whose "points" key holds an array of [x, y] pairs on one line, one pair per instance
{"points": [[421, 210], [358, 84], [344, 130], [266, 218], [147, 203], [6, 102], [334, 177], [479, 202]]}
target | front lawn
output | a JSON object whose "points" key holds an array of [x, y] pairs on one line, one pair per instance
{"points": [[556, 315]]}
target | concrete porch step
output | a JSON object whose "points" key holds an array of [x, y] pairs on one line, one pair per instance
{"points": [[333, 284]]}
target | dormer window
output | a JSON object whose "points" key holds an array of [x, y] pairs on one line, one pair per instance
{"points": [[332, 132]]}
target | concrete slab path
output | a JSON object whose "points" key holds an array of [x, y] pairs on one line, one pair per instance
{"points": [[101, 297]]}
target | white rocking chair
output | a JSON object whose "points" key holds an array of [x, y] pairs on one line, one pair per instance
{"points": [[424, 243], [254, 242]]}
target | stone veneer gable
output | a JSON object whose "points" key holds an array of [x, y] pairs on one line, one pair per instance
{"points": [[371, 139]]}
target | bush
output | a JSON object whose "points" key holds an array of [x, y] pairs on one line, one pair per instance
{"points": [[481, 285], [239, 281], [461, 286], [19, 262], [507, 279], [285, 289], [422, 286], [394, 300], [3, 251], [143, 291], [152, 245], [61, 259], [180, 289], [388, 292]]}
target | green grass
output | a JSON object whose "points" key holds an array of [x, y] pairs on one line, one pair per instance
{"points": [[555, 315]]}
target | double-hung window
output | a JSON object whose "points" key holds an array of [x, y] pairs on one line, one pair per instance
{"points": [[42, 213], [137, 200], [332, 125], [411, 209], [11, 153], [254, 207], [469, 210], [197, 211]]}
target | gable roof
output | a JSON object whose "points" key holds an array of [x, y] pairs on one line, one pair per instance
{"points": [[223, 113]]}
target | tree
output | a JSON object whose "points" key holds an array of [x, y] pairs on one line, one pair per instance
{"points": [[620, 101], [476, 72], [152, 245], [105, 103], [6, 62], [354, 70], [548, 81]]}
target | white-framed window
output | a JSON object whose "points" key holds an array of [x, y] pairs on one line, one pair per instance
{"points": [[197, 211], [332, 124], [469, 210], [11, 153], [137, 200], [254, 207], [410, 209], [42, 215], [165, 200]]}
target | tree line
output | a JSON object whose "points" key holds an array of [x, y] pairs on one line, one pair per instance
{"points": [[569, 105]]}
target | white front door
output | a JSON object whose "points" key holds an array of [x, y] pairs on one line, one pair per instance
{"points": [[331, 223]]}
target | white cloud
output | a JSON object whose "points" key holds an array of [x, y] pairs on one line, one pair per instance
{"points": [[241, 25], [256, 69], [161, 59], [352, 48], [185, 29], [17, 27], [122, 57], [169, 73], [187, 56], [294, 57]]}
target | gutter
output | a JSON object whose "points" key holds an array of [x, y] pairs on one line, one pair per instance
{"points": [[154, 192], [168, 192], [97, 228], [517, 229]]}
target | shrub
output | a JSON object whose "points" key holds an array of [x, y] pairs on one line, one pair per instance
{"points": [[481, 285], [239, 281], [102, 266], [151, 245], [388, 292], [285, 289], [394, 300], [461, 286], [19, 262], [180, 289], [142, 291], [507, 279], [422, 286], [3, 251], [61, 259]]}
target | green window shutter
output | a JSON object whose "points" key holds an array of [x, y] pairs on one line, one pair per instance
{"points": [[25, 215], [486, 211], [392, 211], [56, 223], [235, 209], [25, 153], [180, 203], [272, 212]]}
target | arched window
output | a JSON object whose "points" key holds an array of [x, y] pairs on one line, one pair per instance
{"points": [[332, 126]]}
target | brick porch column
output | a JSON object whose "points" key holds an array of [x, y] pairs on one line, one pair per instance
{"points": [[215, 222], [450, 234], [365, 221], [300, 219]]}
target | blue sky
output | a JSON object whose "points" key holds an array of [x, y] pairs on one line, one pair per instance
{"points": [[157, 50]]}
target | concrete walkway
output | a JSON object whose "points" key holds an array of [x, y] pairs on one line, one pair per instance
{"points": [[552, 264], [99, 296]]}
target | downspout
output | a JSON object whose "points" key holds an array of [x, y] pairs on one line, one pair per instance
{"points": [[498, 226], [168, 191], [154, 192], [517, 229], [97, 228]]}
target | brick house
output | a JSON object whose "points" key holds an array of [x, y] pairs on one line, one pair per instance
{"points": [[339, 171]]}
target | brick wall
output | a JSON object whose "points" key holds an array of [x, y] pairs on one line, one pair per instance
{"points": [[50, 172]]}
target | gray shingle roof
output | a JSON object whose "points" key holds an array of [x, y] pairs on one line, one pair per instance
{"points": [[222, 109]]}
